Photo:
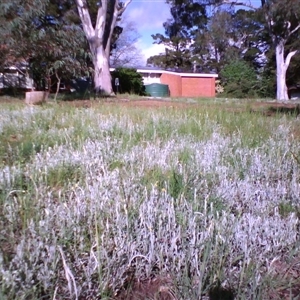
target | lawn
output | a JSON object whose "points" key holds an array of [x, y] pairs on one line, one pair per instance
{"points": [[130, 199]]}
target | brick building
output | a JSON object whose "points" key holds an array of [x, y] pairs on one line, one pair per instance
{"points": [[182, 84]]}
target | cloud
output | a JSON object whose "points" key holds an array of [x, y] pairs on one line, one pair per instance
{"points": [[149, 50], [154, 49], [148, 15], [148, 18]]}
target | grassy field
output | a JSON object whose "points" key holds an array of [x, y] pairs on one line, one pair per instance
{"points": [[117, 201]]}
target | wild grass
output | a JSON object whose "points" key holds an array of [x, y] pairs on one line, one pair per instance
{"points": [[107, 201]]}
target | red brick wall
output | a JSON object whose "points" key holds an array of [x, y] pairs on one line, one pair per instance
{"points": [[174, 83], [198, 87], [189, 86]]}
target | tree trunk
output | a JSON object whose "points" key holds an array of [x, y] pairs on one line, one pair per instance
{"points": [[102, 76], [279, 38], [281, 67], [99, 38], [57, 85]]}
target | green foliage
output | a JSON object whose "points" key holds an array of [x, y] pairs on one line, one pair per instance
{"points": [[130, 81], [239, 80], [286, 208], [179, 32], [176, 184], [60, 52], [171, 181], [18, 150], [154, 177], [62, 175], [207, 42], [220, 27], [15, 17], [48, 36]]}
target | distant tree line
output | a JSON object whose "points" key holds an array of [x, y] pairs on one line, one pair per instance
{"points": [[253, 48]]}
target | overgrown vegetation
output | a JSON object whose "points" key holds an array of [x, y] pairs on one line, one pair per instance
{"points": [[239, 80], [129, 203], [128, 81]]}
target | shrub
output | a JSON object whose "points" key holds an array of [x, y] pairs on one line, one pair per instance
{"points": [[239, 80], [130, 81]]}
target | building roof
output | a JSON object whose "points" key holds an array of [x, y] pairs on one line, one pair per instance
{"points": [[182, 74], [153, 70]]}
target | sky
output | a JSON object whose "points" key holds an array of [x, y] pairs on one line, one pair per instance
{"points": [[149, 16]]}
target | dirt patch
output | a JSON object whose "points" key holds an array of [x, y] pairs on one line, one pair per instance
{"points": [[160, 288], [156, 104], [274, 104], [273, 108], [287, 273], [141, 103], [268, 107]]}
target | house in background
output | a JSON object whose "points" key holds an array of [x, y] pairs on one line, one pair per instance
{"points": [[181, 84], [178, 84], [16, 77]]}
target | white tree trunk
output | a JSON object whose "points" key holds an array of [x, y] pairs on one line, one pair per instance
{"points": [[279, 43], [99, 38], [282, 65], [282, 93], [57, 85], [102, 76]]}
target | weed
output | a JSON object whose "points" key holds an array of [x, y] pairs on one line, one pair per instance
{"points": [[285, 208], [106, 202], [62, 175]]}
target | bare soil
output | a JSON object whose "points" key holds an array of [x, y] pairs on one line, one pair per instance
{"points": [[271, 107], [268, 108], [142, 103]]}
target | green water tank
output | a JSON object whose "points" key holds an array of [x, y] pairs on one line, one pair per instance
{"points": [[157, 90]]}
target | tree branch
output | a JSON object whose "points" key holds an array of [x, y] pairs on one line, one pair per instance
{"points": [[112, 26], [120, 11], [295, 29], [85, 18], [117, 12], [237, 3], [101, 19], [289, 57]]}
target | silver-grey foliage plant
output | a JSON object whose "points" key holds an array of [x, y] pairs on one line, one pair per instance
{"points": [[197, 211]]}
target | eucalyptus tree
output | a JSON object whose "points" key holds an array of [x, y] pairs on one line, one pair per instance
{"points": [[238, 34], [197, 39], [214, 46], [99, 35], [188, 17], [293, 72], [282, 19], [236, 44]]}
